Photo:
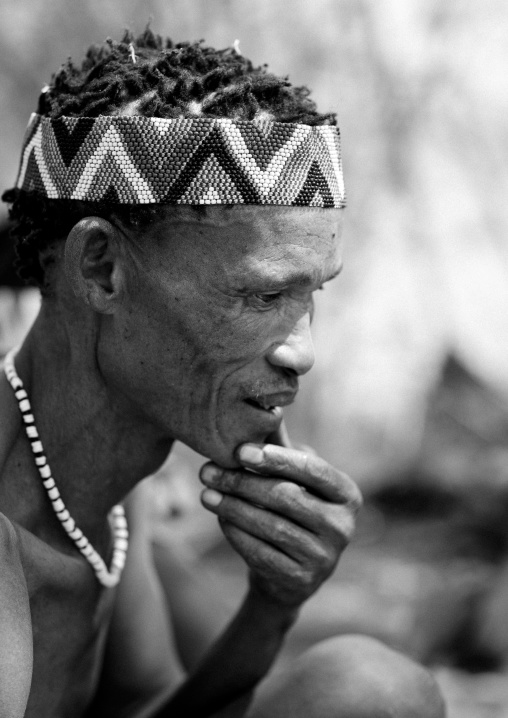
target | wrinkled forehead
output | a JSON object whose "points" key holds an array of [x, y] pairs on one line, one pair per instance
{"points": [[227, 218], [230, 240]]}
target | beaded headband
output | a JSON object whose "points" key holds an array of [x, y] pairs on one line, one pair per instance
{"points": [[201, 161]]}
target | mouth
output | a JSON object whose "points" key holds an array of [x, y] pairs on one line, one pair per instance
{"points": [[271, 403], [260, 405]]}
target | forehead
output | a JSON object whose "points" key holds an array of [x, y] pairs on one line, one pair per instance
{"points": [[241, 239]]}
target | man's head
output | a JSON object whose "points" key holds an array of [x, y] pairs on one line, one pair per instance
{"points": [[198, 316], [150, 77]]}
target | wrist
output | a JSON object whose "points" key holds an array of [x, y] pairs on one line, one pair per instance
{"points": [[269, 611]]}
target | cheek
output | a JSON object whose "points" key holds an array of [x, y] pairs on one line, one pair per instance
{"points": [[198, 333], [218, 334]]}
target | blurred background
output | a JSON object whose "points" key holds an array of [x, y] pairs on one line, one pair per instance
{"points": [[410, 389]]}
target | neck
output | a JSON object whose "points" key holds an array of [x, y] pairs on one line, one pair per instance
{"points": [[98, 447]]}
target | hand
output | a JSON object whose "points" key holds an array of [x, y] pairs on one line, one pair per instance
{"points": [[290, 520]]}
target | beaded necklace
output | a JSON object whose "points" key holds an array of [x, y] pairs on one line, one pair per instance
{"points": [[107, 577]]}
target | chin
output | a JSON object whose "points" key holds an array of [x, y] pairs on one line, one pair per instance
{"points": [[219, 440], [223, 453]]}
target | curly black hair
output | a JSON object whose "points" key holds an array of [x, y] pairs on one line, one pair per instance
{"points": [[152, 77]]}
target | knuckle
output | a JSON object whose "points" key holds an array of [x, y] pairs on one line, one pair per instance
{"points": [[355, 499], [231, 480], [291, 492], [348, 528], [306, 462], [280, 527], [348, 490], [231, 509], [324, 557], [304, 577], [342, 526]]}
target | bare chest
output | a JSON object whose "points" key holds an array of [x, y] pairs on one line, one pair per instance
{"points": [[70, 615]]}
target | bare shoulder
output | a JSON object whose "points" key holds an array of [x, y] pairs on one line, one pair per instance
{"points": [[13, 579], [15, 626]]}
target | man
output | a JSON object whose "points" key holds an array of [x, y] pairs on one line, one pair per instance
{"points": [[177, 233]]}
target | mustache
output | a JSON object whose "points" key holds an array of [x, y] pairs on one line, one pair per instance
{"points": [[260, 387]]}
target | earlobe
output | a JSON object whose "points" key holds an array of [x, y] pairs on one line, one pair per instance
{"points": [[93, 263]]}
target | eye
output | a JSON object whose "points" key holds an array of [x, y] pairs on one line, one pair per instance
{"points": [[266, 300]]}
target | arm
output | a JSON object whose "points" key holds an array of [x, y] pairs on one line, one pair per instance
{"points": [[16, 653], [290, 522], [140, 663], [199, 608]]}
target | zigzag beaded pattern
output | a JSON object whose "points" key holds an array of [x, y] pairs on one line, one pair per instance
{"points": [[201, 161], [120, 531]]}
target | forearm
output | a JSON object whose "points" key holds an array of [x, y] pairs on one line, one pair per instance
{"points": [[199, 608], [238, 660]]}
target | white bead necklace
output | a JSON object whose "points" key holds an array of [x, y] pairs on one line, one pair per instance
{"points": [[120, 532]]}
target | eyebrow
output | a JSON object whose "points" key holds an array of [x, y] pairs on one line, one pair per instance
{"points": [[302, 278], [299, 278]]}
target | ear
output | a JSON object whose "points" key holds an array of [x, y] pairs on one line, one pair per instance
{"points": [[94, 263]]}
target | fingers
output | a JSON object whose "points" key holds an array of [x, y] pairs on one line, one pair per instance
{"points": [[284, 508], [274, 529], [306, 469], [280, 437], [257, 553], [277, 495], [282, 497], [278, 505], [274, 573]]}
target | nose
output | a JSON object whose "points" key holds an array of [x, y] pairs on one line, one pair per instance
{"points": [[296, 352]]}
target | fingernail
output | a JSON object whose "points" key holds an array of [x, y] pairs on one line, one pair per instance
{"points": [[211, 497], [209, 473], [251, 454]]}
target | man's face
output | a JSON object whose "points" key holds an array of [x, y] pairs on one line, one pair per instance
{"points": [[216, 328]]}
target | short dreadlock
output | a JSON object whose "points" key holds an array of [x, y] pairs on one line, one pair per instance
{"points": [[152, 77]]}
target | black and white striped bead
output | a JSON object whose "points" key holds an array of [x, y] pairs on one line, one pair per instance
{"points": [[106, 577]]}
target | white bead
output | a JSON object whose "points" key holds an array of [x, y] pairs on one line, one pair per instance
{"points": [[109, 580], [69, 525], [120, 522], [58, 505], [121, 544], [118, 562], [106, 578]]}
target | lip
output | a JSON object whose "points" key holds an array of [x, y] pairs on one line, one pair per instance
{"points": [[270, 419], [270, 402]]}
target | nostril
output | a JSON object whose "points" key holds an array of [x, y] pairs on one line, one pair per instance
{"points": [[290, 372]]}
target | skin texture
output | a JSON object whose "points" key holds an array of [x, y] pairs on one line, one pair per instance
{"points": [[193, 329], [219, 299]]}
